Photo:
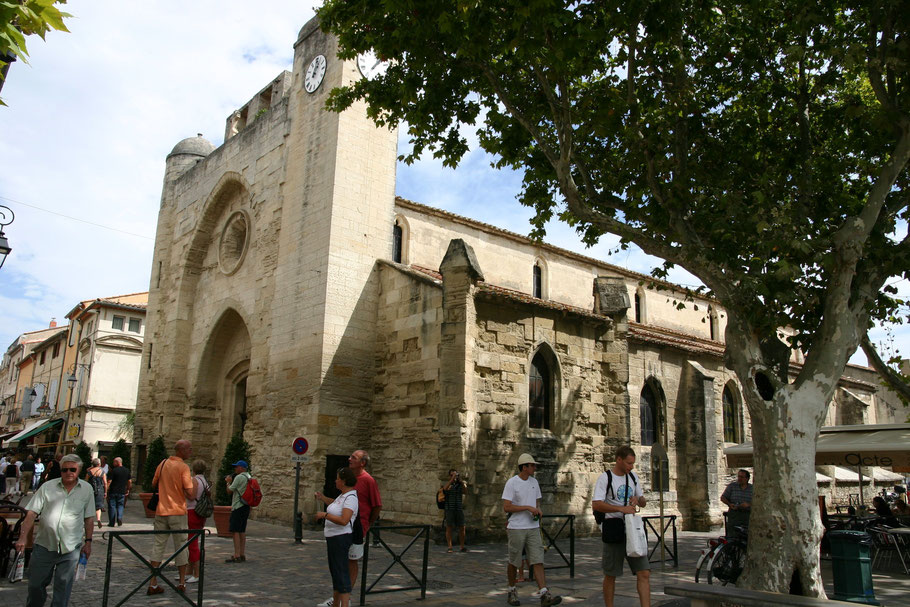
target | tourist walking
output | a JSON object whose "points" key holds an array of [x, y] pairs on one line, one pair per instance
{"points": [[617, 493], [369, 504], [454, 490], [39, 472], [175, 486], [119, 483], [12, 476], [96, 478], [339, 516], [521, 502], [194, 520], [240, 511], [66, 508], [27, 474]]}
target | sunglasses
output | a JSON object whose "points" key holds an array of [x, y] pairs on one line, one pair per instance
{"points": [[74, 470]]}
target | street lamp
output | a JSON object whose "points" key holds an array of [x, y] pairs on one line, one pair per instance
{"points": [[6, 217], [72, 379], [44, 408]]}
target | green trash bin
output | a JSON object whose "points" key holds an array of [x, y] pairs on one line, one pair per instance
{"points": [[851, 563]]}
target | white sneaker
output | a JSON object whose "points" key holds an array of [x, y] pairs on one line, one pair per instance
{"points": [[327, 603], [191, 580]]}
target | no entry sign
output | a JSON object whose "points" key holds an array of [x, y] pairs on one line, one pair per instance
{"points": [[300, 445]]}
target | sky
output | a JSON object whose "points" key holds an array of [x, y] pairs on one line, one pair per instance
{"points": [[93, 115]]}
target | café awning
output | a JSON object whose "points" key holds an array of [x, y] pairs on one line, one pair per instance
{"points": [[885, 445], [35, 428]]}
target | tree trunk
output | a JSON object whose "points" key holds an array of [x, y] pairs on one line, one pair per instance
{"points": [[785, 528]]}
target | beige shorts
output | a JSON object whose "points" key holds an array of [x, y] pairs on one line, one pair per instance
{"points": [[527, 540], [164, 523]]}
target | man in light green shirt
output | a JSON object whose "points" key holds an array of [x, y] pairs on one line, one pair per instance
{"points": [[67, 509]]}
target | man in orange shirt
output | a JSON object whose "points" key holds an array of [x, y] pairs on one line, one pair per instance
{"points": [[175, 485]]}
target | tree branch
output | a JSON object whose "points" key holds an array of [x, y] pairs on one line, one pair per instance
{"points": [[893, 379]]}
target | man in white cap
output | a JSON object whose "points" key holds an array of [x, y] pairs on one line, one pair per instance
{"points": [[521, 502]]}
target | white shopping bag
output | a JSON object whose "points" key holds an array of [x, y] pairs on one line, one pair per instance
{"points": [[636, 544], [17, 569]]}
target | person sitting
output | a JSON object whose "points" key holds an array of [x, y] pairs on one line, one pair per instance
{"points": [[884, 511]]}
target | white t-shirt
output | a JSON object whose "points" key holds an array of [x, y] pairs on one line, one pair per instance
{"points": [[616, 497], [522, 493], [345, 500]]}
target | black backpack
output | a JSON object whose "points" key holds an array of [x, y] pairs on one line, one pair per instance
{"points": [[599, 516]]}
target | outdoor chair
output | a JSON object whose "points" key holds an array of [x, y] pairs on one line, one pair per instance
{"points": [[884, 542]]}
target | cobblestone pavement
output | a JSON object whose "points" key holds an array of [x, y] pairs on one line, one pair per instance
{"points": [[280, 573]]}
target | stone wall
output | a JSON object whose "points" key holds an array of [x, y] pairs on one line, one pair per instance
{"points": [[404, 443]]}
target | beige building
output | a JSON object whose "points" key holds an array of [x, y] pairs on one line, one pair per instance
{"points": [[30, 384], [106, 336], [292, 294]]}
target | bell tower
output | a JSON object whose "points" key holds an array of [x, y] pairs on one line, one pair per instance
{"points": [[264, 288]]}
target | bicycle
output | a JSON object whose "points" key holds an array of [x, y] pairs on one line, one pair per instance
{"points": [[723, 558]]}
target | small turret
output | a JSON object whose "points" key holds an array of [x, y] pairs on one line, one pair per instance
{"points": [[186, 154]]}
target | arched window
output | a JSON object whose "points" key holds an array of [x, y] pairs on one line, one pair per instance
{"points": [[538, 281], [396, 242], [540, 393], [637, 307], [732, 433], [648, 412]]}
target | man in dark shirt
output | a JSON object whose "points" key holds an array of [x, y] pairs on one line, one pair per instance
{"points": [[26, 474], [119, 484]]}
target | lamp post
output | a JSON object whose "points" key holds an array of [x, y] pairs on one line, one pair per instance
{"points": [[6, 217], [43, 408], [72, 379]]}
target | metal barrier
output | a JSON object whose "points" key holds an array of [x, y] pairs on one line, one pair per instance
{"points": [[551, 542], [373, 533], [191, 534], [670, 522]]}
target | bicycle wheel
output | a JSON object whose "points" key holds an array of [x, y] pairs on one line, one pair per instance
{"points": [[728, 563]]}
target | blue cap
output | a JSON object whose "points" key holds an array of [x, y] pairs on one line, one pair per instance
{"points": [[241, 463]]}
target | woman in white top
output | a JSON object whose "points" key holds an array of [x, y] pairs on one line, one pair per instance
{"points": [[339, 517]]}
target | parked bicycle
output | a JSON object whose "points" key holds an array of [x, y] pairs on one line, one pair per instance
{"points": [[723, 558]]}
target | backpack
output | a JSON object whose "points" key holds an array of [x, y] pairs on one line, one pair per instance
{"points": [[252, 495], [599, 516], [204, 505], [441, 499]]}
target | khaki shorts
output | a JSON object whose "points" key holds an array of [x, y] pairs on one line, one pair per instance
{"points": [[527, 540], [163, 523], [613, 555]]}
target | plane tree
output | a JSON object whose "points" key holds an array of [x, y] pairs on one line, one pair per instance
{"points": [[762, 146]]}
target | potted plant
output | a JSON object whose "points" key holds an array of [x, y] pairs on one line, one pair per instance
{"points": [[85, 453], [237, 449], [157, 453], [122, 450]]}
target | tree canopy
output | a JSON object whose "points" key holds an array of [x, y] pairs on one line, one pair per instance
{"points": [[22, 18], [763, 146]]}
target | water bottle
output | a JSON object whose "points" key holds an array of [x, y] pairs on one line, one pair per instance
{"points": [[80, 568]]}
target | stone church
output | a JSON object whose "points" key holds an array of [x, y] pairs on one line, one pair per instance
{"points": [[293, 294]]}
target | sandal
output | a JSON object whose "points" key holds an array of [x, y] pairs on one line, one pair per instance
{"points": [[449, 550], [235, 559]]}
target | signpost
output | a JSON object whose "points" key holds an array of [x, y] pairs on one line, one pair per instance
{"points": [[660, 454], [299, 447]]}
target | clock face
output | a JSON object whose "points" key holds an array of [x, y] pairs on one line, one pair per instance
{"points": [[314, 74], [370, 65]]}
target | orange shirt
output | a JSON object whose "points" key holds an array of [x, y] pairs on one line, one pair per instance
{"points": [[172, 478]]}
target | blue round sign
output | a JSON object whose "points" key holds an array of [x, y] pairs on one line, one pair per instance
{"points": [[300, 445]]}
